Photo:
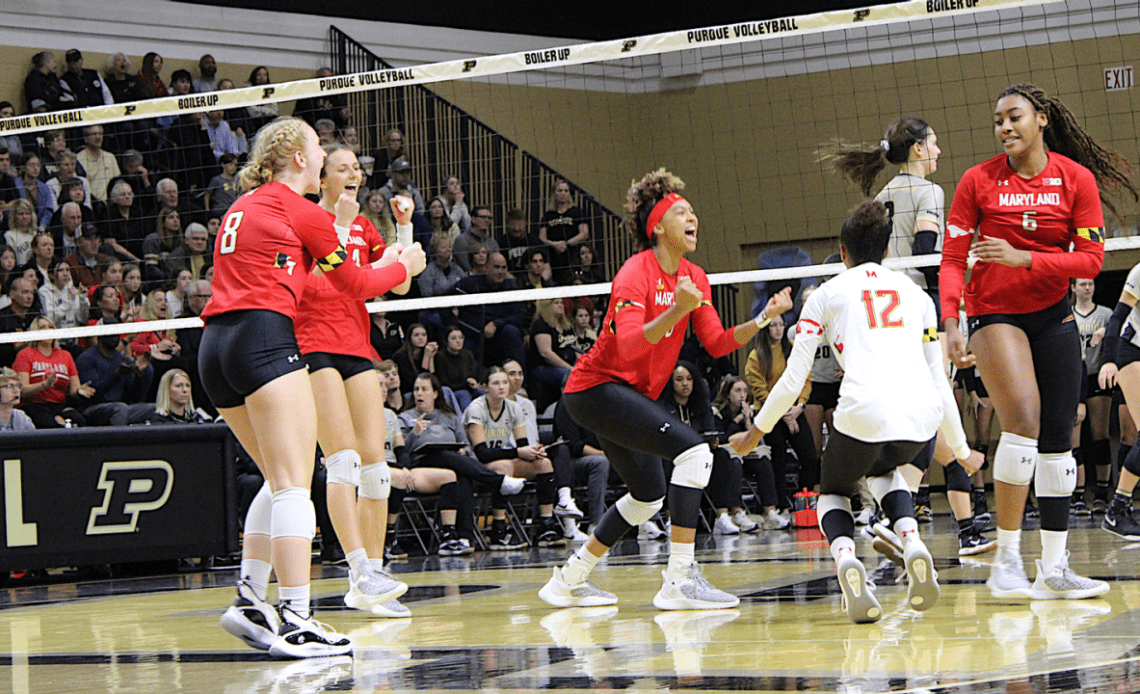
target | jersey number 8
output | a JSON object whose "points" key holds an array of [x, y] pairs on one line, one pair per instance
{"points": [[228, 240]]}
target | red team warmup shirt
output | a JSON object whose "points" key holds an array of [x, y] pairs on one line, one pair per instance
{"points": [[329, 321], [32, 361], [641, 292], [267, 246], [1045, 214]]}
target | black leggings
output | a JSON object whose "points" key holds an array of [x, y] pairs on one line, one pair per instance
{"points": [[635, 433], [847, 459], [804, 445]]}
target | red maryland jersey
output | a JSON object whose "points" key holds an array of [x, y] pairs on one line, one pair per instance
{"points": [[329, 321], [641, 292], [266, 249], [1056, 215]]}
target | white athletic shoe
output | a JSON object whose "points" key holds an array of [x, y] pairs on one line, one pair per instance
{"points": [[692, 592], [251, 619], [373, 588], [559, 593], [392, 609], [741, 520], [306, 638], [774, 521], [568, 510], [725, 526], [1007, 575], [1062, 583], [572, 532], [858, 593], [511, 485], [649, 530], [923, 591]]}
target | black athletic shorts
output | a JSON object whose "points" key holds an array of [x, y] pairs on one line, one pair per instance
{"points": [[347, 366], [826, 395], [241, 351], [1126, 353], [968, 378], [1032, 324]]}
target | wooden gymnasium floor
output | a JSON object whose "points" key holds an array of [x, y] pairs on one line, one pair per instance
{"points": [[478, 625]]}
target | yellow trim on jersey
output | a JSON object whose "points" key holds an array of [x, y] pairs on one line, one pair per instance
{"points": [[333, 260], [1092, 234], [625, 304], [705, 302], [376, 248], [931, 335]]}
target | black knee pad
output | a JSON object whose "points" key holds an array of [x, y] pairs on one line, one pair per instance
{"points": [[956, 478], [544, 488]]}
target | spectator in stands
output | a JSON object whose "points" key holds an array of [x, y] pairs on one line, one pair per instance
{"points": [[334, 106], [453, 201], [588, 462], [7, 270], [100, 165], [66, 235], [106, 302], [131, 292], [517, 243], [191, 255], [87, 263], [32, 189], [113, 273], [552, 355], [149, 77], [415, 356], [9, 194], [18, 316], [259, 114], [236, 117], [400, 183], [224, 188], [377, 211], [169, 196], [477, 257], [586, 268], [49, 382], [481, 220], [12, 419], [43, 252], [493, 330], [124, 228], [65, 304], [457, 369], [584, 334], [43, 89], [119, 383], [175, 402], [351, 139], [86, 85], [732, 415], [136, 173], [177, 296], [438, 279], [158, 246], [68, 164], [222, 138], [386, 336], [390, 380], [22, 230], [538, 273], [162, 344], [189, 342], [563, 227], [52, 147], [394, 149], [441, 224], [12, 143], [207, 80], [326, 131], [125, 88], [72, 191]]}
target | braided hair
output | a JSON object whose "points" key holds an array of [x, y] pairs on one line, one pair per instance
{"points": [[1065, 136], [641, 198], [861, 165], [276, 144]]}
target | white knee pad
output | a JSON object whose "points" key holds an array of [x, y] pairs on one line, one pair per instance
{"points": [[293, 514], [259, 517], [343, 467], [693, 467], [832, 502], [637, 512], [1015, 459], [885, 484], [1056, 474], [376, 481]]}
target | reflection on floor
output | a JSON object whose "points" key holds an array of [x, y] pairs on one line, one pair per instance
{"points": [[478, 625]]}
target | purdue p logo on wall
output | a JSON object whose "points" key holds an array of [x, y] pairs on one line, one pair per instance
{"points": [[129, 488]]}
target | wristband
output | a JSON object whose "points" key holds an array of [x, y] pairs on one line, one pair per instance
{"points": [[404, 235], [762, 320]]}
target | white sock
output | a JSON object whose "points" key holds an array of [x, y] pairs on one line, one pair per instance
{"points": [[579, 566], [1010, 539], [565, 498], [256, 573], [906, 529], [295, 598], [357, 562], [1053, 545], [681, 557], [376, 564], [842, 544]]}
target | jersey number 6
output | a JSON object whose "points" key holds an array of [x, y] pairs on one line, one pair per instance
{"points": [[892, 303], [228, 239]]}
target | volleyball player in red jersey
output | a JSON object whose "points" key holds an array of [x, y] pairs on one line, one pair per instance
{"points": [[333, 332], [253, 370], [1026, 207], [612, 392]]}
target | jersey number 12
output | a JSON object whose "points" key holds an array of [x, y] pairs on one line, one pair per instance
{"points": [[882, 319]]}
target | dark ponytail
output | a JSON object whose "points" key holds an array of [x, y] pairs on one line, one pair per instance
{"points": [[861, 165]]}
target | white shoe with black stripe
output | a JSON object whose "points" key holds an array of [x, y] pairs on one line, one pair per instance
{"points": [[299, 637]]}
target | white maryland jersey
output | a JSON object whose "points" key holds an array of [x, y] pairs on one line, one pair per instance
{"points": [[500, 432], [909, 200], [883, 330], [391, 429], [1131, 330]]}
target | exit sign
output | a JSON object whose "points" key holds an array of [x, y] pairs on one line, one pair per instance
{"points": [[1118, 78]]}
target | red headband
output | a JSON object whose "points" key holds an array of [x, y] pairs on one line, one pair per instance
{"points": [[659, 211]]}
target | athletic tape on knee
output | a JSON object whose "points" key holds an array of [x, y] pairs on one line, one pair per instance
{"points": [[343, 467], [376, 481], [293, 514], [1056, 474], [693, 467], [885, 484], [637, 512], [258, 520], [956, 478], [1015, 459]]}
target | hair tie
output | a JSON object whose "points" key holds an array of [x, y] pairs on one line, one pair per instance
{"points": [[659, 211], [885, 145]]}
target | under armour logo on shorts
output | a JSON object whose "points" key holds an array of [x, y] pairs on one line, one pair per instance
{"points": [[293, 357], [664, 427]]}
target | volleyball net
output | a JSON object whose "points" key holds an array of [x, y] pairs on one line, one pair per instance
{"points": [[737, 111]]}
